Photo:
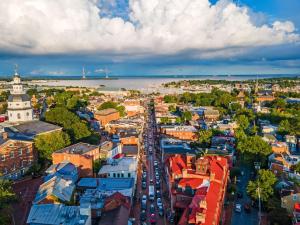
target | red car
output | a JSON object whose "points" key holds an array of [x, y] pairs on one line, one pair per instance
{"points": [[152, 218]]}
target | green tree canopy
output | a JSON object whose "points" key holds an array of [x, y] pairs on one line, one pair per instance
{"points": [[263, 185], [254, 147], [113, 105], [242, 121], [205, 137], [46, 144], [284, 127], [76, 128], [186, 116]]}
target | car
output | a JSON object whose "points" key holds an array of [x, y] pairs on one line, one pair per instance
{"points": [[157, 184], [144, 198], [152, 218], [144, 185], [160, 211], [238, 208], [143, 215], [155, 163], [158, 194], [151, 181], [156, 177], [152, 208], [158, 202]]}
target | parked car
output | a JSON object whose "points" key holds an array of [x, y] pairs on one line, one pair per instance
{"points": [[238, 208], [247, 208], [158, 194]]}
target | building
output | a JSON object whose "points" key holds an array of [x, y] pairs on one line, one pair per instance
{"points": [[106, 115], [56, 214], [65, 170], [133, 107], [19, 107], [56, 190], [82, 155], [188, 133], [171, 147], [124, 124], [16, 156], [125, 167], [211, 115], [197, 186], [109, 150]]}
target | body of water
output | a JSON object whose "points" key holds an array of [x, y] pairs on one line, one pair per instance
{"points": [[141, 83]]}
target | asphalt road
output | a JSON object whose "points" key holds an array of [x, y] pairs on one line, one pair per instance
{"points": [[244, 218]]}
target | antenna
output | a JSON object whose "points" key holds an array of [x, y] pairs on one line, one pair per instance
{"points": [[16, 69], [83, 73]]}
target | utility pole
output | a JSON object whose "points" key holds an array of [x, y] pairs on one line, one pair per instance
{"points": [[259, 205]]}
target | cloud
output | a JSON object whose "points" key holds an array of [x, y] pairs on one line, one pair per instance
{"points": [[48, 72], [42, 27]]}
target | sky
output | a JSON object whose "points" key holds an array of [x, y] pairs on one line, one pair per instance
{"points": [[149, 37]]}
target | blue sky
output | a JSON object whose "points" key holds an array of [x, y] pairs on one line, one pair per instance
{"points": [[150, 38]]}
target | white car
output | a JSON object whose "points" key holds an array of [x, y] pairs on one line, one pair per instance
{"points": [[238, 208], [158, 202]]}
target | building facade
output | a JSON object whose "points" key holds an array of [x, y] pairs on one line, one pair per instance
{"points": [[19, 107]]}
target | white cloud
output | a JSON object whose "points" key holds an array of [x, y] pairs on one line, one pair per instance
{"points": [[156, 27]]}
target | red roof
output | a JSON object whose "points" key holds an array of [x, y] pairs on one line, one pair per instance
{"points": [[194, 183], [177, 163]]}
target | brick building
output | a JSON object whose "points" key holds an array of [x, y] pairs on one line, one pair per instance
{"points": [[181, 132], [211, 115], [106, 115], [133, 107], [82, 155], [197, 187], [16, 157]]}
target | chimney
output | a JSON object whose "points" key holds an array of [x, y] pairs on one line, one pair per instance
{"points": [[5, 135]]}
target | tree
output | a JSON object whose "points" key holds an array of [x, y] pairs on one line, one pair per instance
{"points": [[46, 144], [164, 120], [242, 121], [7, 197], [284, 127], [205, 137], [172, 108], [264, 184], [254, 146], [113, 105], [178, 120], [76, 128], [186, 116]]}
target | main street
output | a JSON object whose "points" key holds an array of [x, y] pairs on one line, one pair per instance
{"points": [[153, 176]]}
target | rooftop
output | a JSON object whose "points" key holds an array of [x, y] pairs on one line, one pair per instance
{"points": [[123, 164], [34, 128], [106, 112], [79, 148], [55, 214]]}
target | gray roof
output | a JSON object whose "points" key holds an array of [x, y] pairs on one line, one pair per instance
{"points": [[56, 186], [55, 214], [19, 98], [79, 148], [34, 128]]}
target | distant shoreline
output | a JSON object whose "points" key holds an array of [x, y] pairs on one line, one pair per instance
{"points": [[112, 77]]}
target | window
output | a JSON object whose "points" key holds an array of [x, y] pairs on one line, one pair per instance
{"points": [[27, 113], [12, 154], [20, 151], [122, 174], [114, 175], [295, 197], [2, 157], [129, 175], [19, 116], [14, 167], [28, 151], [5, 170], [118, 175]]}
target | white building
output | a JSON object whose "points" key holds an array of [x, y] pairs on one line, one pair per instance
{"points": [[125, 167], [19, 107]]}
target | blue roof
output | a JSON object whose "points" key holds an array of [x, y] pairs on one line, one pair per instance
{"points": [[107, 184]]}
